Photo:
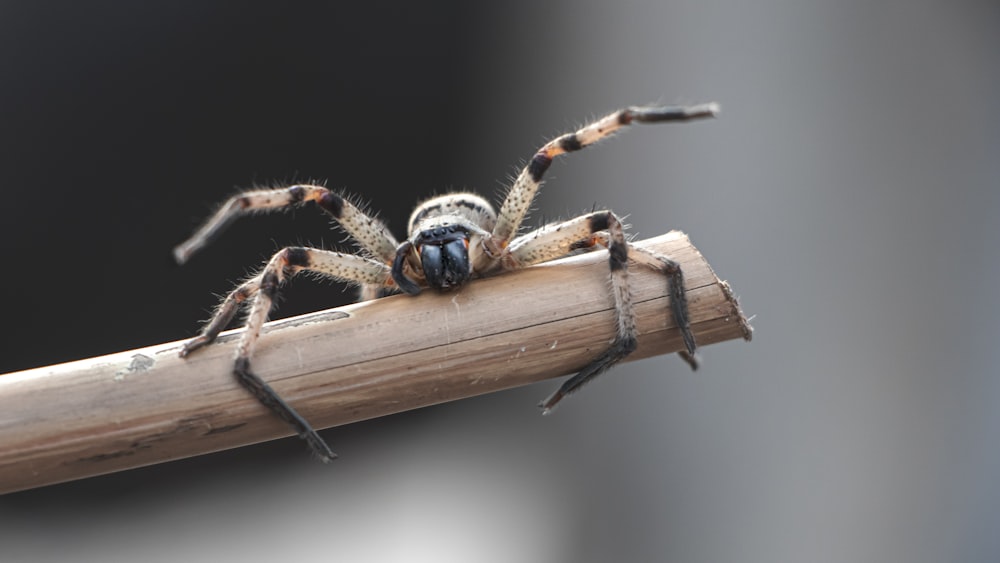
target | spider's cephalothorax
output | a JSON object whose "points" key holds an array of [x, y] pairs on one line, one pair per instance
{"points": [[451, 239], [445, 236]]}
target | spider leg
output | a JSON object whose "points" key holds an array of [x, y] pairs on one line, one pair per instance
{"points": [[263, 289], [369, 232], [368, 292], [222, 316], [604, 228], [678, 299], [523, 191], [556, 240]]}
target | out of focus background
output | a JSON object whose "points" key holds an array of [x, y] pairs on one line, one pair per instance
{"points": [[849, 191]]}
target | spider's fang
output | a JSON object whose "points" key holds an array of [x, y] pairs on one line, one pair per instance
{"points": [[404, 283], [444, 256]]}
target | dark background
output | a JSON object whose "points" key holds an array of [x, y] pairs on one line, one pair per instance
{"points": [[849, 191]]}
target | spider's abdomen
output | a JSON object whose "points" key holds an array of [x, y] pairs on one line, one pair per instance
{"points": [[451, 208]]}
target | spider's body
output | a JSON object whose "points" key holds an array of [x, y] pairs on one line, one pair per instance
{"points": [[446, 233], [451, 240]]}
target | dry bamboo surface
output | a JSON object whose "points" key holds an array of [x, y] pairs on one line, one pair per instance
{"points": [[145, 406]]}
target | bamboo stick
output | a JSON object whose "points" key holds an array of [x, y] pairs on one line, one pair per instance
{"points": [[145, 406]]}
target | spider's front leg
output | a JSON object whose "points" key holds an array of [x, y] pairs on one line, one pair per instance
{"points": [[368, 231], [604, 228], [263, 290], [523, 191]]}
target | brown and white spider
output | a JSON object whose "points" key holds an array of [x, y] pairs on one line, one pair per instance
{"points": [[452, 239]]}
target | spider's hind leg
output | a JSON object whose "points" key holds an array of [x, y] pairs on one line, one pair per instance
{"points": [[678, 299], [604, 228]]}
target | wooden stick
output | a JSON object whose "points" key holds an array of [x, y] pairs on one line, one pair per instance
{"points": [[362, 361]]}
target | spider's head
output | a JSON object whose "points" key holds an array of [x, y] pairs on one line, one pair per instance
{"points": [[444, 258]]}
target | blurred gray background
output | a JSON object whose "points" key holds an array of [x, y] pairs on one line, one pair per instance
{"points": [[848, 191]]}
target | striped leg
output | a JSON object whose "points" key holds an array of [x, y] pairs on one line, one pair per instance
{"points": [[603, 227], [263, 290], [557, 240], [522, 193], [369, 232], [678, 299]]}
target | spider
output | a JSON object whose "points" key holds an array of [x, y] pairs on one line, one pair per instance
{"points": [[452, 239]]}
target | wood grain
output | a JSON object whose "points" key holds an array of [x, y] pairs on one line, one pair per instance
{"points": [[146, 406]]}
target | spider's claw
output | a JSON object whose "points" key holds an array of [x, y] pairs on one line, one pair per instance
{"points": [[692, 359], [549, 404], [181, 254], [195, 343], [689, 344], [320, 448]]}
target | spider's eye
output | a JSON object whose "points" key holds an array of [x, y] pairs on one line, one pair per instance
{"points": [[446, 262]]}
